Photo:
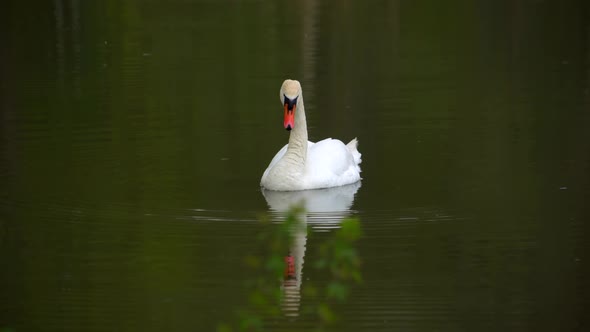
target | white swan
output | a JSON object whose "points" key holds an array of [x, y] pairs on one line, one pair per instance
{"points": [[301, 164]]}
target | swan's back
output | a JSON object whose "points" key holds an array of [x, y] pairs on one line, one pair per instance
{"points": [[330, 163]]}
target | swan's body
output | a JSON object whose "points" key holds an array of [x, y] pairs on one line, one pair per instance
{"points": [[301, 164]]}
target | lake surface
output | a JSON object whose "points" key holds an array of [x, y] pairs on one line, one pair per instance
{"points": [[134, 135]]}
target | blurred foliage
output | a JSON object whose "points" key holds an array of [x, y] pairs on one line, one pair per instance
{"points": [[337, 258]]}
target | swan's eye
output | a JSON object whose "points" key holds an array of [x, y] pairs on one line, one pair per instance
{"points": [[290, 103]]}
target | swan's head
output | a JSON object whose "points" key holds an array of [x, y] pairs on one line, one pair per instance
{"points": [[290, 92]]}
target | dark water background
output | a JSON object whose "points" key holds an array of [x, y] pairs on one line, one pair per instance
{"points": [[133, 135]]}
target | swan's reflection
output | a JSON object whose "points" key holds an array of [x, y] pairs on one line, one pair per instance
{"points": [[323, 209]]}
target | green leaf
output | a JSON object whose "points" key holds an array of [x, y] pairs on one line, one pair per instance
{"points": [[276, 264], [337, 290], [356, 276], [326, 314], [350, 229], [251, 323]]}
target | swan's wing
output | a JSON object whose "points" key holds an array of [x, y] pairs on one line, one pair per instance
{"points": [[330, 158], [356, 155]]}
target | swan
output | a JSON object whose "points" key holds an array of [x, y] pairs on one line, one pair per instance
{"points": [[301, 164]]}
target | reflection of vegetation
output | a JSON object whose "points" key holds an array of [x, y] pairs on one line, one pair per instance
{"points": [[338, 259]]}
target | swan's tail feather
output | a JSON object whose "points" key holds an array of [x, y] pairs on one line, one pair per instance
{"points": [[352, 147]]}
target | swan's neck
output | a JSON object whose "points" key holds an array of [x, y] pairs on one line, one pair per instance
{"points": [[297, 149]]}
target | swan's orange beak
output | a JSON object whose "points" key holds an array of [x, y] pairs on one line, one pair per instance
{"points": [[289, 116]]}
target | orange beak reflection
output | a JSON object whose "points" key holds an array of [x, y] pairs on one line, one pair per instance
{"points": [[289, 117]]}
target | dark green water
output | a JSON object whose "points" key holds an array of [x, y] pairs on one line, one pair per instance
{"points": [[133, 135]]}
